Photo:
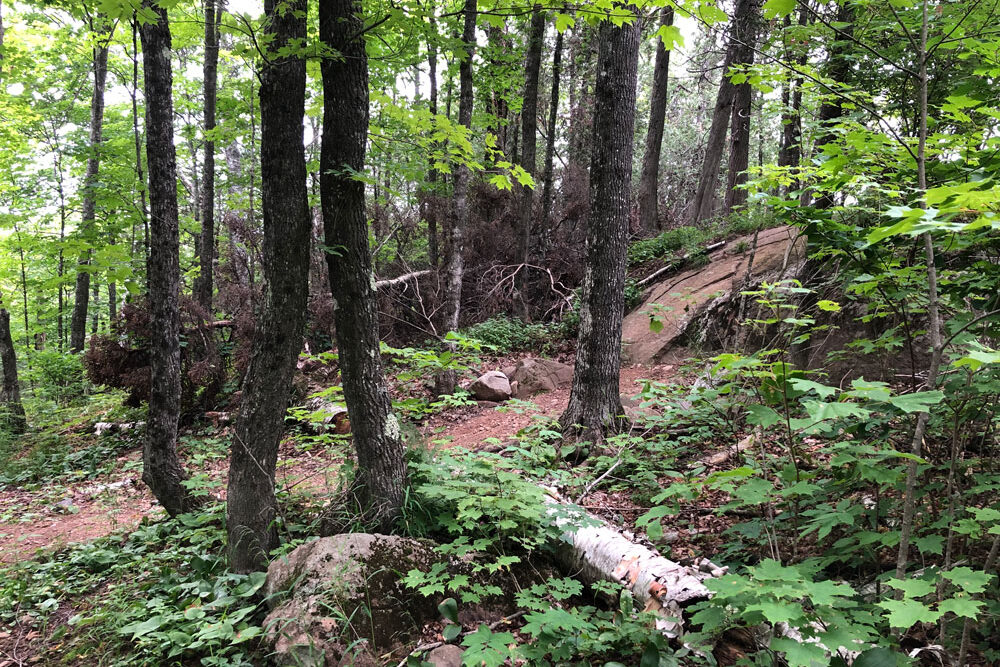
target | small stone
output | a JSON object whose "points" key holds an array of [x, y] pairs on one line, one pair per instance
{"points": [[448, 655], [65, 506], [491, 386]]}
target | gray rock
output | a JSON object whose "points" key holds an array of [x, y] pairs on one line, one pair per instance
{"points": [[65, 506], [491, 386], [534, 376], [327, 594], [448, 655]]}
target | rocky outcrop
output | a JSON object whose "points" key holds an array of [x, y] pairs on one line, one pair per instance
{"points": [[533, 376], [491, 386], [328, 594], [679, 301]]}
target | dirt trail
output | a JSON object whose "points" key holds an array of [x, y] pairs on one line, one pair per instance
{"points": [[65, 513], [472, 426]]}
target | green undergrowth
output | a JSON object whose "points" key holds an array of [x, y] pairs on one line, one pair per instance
{"points": [[158, 596], [691, 240]]}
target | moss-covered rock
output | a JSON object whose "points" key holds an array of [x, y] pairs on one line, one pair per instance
{"points": [[339, 597]]}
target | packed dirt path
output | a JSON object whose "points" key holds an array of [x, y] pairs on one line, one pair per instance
{"points": [[63, 513], [477, 426]]}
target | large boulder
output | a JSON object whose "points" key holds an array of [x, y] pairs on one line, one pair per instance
{"points": [[678, 301], [533, 376], [491, 386], [328, 594]]}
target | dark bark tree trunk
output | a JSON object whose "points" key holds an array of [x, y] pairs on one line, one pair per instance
{"points": [[737, 53], [838, 68], [460, 198], [550, 144], [648, 182], [137, 137], [204, 285], [529, 131], [381, 473], [162, 470], [251, 507], [595, 402], [95, 313], [739, 147], [12, 415], [790, 149], [78, 321], [430, 206]]}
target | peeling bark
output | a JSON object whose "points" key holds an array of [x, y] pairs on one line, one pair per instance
{"points": [[597, 551]]}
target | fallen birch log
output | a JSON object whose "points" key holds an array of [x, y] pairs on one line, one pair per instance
{"points": [[597, 551], [389, 282], [678, 263], [718, 458]]}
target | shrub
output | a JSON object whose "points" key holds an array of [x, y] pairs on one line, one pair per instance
{"points": [[506, 334], [56, 376]]}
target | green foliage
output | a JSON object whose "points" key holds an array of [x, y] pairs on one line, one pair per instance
{"points": [[687, 239], [480, 505], [56, 377], [503, 334], [160, 594]]}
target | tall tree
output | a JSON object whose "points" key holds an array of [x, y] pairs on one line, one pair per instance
{"points": [[162, 470], [455, 265], [738, 53], [251, 505], [529, 131], [739, 129], [381, 472], [648, 181], [550, 141], [12, 416], [430, 202], [790, 148], [204, 284], [595, 402], [78, 321]]}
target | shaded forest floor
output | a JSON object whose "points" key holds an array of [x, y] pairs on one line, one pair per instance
{"points": [[52, 515]]}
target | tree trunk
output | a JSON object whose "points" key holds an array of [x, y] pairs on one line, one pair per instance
{"points": [[139, 175], [529, 131], [430, 205], [839, 70], [10, 392], [381, 473], [550, 144], [790, 149], [648, 183], [460, 212], [162, 470], [204, 284], [251, 505], [595, 403], [78, 321], [737, 53], [739, 148]]}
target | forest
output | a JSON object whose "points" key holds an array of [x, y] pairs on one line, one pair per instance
{"points": [[454, 333]]}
